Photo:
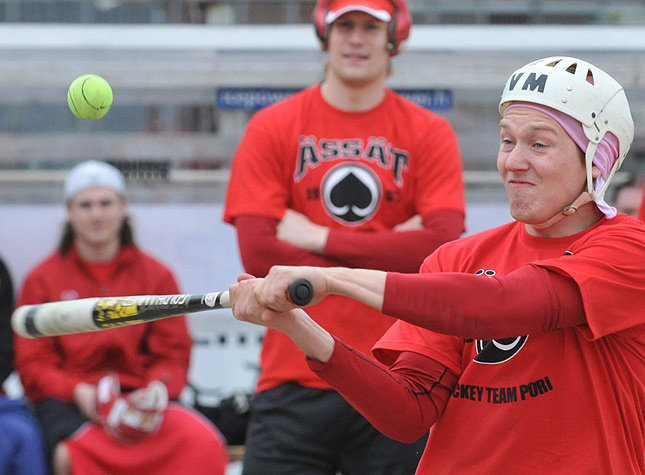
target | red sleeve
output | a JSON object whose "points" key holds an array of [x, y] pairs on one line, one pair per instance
{"points": [[169, 345], [258, 181], [402, 402], [641, 210], [37, 361], [528, 300], [439, 176], [260, 248], [394, 251]]}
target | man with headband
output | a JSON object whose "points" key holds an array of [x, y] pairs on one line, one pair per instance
{"points": [[523, 346]]}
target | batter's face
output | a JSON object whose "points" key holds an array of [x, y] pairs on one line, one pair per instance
{"points": [[356, 47], [541, 166], [96, 215]]}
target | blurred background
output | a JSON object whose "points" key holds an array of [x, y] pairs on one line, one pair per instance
{"points": [[187, 76]]}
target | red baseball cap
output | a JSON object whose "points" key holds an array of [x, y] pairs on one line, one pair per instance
{"points": [[380, 9]]}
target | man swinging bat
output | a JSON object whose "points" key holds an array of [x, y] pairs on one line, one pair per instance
{"points": [[522, 346]]}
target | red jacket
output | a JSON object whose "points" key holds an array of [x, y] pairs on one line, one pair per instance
{"points": [[51, 367]]}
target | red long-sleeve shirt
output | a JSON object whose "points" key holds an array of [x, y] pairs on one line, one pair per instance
{"points": [[419, 387], [359, 174], [51, 367]]}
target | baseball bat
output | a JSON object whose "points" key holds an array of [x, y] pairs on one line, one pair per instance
{"points": [[102, 313], [301, 292]]}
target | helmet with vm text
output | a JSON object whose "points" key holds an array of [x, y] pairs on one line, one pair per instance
{"points": [[582, 91]]}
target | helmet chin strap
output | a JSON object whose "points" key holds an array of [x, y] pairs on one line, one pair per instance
{"points": [[584, 198]]}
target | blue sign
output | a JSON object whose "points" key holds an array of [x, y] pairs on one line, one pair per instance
{"points": [[253, 98], [250, 98], [433, 99]]}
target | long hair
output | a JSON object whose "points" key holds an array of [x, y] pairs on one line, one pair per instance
{"points": [[126, 236]]}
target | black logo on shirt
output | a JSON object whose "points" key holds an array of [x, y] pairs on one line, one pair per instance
{"points": [[498, 351], [351, 193]]}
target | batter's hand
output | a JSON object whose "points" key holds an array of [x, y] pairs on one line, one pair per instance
{"points": [[254, 300], [247, 308], [273, 291]]}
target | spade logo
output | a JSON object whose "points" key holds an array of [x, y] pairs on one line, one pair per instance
{"points": [[498, 351], [351, 193]]}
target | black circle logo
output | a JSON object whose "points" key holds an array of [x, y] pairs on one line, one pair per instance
{"points": [[351, 193], [498, 351]]}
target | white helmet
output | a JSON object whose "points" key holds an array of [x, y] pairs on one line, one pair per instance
{"points": [[582, 91]]}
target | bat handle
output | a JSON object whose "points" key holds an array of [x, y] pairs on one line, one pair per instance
{"points": [[301, 292]]}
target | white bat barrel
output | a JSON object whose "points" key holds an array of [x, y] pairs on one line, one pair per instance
{"points": [[55, 318]]}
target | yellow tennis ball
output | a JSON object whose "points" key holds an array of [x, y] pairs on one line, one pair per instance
{"points": [[89, 97]]}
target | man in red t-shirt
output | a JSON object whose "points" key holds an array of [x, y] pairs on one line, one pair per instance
{"points": [[346, 172], [129, 426], [523, 346]]}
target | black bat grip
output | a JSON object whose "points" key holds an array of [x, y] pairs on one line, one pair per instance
{"points": [[301, 292]]}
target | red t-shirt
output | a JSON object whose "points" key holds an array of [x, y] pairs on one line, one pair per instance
{"points": [[566, 401], [398, 158], [51, 367]]}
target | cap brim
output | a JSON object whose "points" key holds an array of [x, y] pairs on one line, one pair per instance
{"points": [[382, 15]]}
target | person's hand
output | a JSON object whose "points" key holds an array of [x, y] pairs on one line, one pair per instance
{"points": [[247, 308], [85, 400], [244, 305], [253, 298], [128, 418], [298, 230], [273, 291], [415, 223], [315, 341], [152, 397]]}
